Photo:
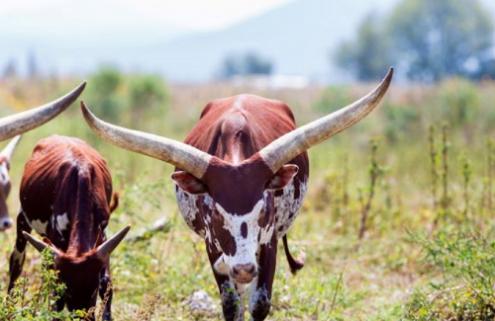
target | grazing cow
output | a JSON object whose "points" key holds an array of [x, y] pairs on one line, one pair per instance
{"points": [[66, 196], [241, 176]]}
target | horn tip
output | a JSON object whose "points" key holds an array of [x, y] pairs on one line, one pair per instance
{"points": [[88, 115], [390, 74], [79, 89], [126, 229]]}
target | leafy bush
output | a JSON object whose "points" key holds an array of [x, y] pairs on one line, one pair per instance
{"points": [[466, 290], [35, 303], [103, 92]]}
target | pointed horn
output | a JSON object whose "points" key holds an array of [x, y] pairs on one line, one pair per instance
{"points": [[38, 244], [183, 156], [105, 249], [290, 145], [8, 151], [19, 123]]}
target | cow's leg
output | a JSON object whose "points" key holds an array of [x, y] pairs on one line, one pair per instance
{"points": [[19, 253], [106, 292], [260, 300], [231, 300]]}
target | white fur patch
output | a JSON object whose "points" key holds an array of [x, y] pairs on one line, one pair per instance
{"points": [[39, 226], [187, 207], [61, 223], [286, 204]]}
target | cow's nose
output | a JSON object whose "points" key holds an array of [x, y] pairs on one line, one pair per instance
{"points": [[5, 223], [244, 273]]}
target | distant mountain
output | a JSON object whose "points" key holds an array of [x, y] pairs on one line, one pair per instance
{"points": [[299, 37]]}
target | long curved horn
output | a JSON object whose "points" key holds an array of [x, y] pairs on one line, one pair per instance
{"points": [[38, 244], [19, 123], [288, 146], [8, 150], [106, 248], [183, 156]]}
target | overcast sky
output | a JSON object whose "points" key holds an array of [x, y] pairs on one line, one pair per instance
{"points": [[182, 14]]}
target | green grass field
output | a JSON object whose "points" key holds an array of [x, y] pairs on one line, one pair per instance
{"points": [[428, 252]]}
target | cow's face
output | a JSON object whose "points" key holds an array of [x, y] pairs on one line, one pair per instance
{"points": [[81, 277], [5, 185], [240, 218]]}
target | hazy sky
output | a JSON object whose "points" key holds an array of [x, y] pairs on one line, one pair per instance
{"points": [[184, 14]]}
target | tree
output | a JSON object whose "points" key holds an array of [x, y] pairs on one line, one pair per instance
{"points": [[146, 93], [441, 38], [368, 56], [245, 64], [103, 92], [430, 40]]}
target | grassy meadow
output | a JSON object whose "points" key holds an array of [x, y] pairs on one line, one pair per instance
{"points": [[397, 224]]}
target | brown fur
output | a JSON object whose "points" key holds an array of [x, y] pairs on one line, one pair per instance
{"points": [[65, 176]]}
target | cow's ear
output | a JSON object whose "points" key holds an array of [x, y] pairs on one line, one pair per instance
{"points": [[188, 183], [283, 177]]}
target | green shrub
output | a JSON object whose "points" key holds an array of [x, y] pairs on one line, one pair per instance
{"points": [[29, 302], [466, 291]]}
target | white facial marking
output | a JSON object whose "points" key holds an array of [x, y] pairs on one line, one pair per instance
{"points": [[246, 247], [39, 226], [62, 222]]}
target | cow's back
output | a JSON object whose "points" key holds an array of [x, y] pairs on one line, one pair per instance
{"points": [[52, 180]]}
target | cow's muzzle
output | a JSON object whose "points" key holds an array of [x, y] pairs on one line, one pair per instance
{"points": [[244, 273]]}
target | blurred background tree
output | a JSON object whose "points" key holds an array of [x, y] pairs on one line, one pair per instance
{"points": [[431, 40], [246, 64], [369, 55], [442, 38], [103, 92], [147, 94]]}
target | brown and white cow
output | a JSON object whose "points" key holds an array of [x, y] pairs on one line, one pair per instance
{"points": [[241, 176], [17, 124], [66, 196]]}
